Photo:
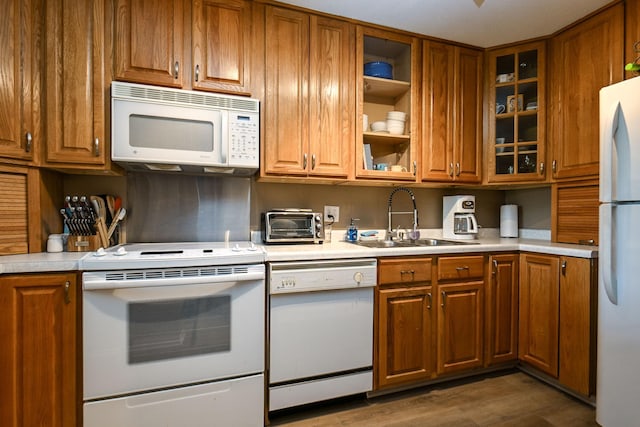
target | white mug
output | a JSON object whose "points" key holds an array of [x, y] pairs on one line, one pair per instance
{"points": [[398, 168]]}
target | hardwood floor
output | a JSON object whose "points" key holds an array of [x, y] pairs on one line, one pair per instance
{"points": [[511, 399]]}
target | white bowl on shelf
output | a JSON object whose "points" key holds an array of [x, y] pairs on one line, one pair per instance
{"points": [[395, 127], [396, 115], [379, 126]]}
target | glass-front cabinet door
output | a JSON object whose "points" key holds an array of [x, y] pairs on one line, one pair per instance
{"points": [[516, 145]]}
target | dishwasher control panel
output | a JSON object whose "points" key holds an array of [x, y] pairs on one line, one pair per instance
{"points": [[308, 276]]}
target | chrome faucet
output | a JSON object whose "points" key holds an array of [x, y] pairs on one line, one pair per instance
{"points": [[390, 233]]}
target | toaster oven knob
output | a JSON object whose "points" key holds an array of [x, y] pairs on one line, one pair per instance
{"points": [[318, 226], [318, 234], [318, 218]]}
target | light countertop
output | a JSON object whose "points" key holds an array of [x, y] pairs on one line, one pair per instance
{"points": [[68, 261]]}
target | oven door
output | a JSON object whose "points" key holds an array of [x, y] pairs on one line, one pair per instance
{"points": [[152, 329]]}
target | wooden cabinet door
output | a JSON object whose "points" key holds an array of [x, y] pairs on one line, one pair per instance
{"points": [[452, 104], [460, 326], [538, 317], [467, 150], [502, 309], [404, 347], [331, 97], [149, 45], [574, 94], [286, 109], [38, 333], [76, 86], [19, 78], [578, 313], [221, 46], [437, 107]]}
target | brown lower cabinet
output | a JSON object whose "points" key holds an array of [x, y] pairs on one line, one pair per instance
{"points": [[429, 318], [557, 317], [38, 362]]}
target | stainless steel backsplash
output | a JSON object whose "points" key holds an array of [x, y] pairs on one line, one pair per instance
{"points": [[186, 208]]}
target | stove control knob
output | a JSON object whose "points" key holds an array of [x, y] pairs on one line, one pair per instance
{"points": [[253, 247], [121, 251], [236, 248], [100, 252]]}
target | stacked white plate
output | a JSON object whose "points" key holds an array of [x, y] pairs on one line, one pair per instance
{"points": [[395, 122]]}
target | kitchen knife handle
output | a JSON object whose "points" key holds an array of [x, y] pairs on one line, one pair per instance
{"points": [[29, 139]]}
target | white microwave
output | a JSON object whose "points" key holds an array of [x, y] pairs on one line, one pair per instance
{"points": [[173, 130]]}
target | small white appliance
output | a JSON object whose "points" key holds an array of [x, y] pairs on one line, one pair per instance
{"points": [[618, 371], [458, 217], [174, 130]]}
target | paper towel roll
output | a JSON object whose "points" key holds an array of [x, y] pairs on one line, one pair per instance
{"points": [[509, 221]]}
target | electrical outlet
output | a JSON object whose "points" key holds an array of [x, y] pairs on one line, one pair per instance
{"points": [[331, 210]]}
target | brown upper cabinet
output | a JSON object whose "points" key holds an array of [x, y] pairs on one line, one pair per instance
{"points": [[452, 110], [381, 93], [153, 45], [77, 107], [516, 109], [309, 96], [20, 88], [583, 59]]}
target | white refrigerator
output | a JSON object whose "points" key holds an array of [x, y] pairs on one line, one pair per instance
{"points": [[618, 375]]}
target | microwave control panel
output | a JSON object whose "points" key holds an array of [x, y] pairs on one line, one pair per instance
{"points": [[244, 139]]}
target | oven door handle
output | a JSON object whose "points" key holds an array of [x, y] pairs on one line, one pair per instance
{"points": [[95, 281]]}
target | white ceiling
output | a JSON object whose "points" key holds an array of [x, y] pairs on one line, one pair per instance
{"points": [[494, 23]]}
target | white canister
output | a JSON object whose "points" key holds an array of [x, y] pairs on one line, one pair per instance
{"points": [[509, 221], [365, 122], [54, 243]]}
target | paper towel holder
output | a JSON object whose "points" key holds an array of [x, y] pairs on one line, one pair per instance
{"points": [[509, 221]]}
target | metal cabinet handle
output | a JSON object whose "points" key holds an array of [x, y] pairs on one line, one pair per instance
{"points": [[29, 139], [96, 147], [430, 301], [197, 72], [563, 267], [457, 168], [415, 168], [304, 161], [554, 165], [589, 242], [411, 272], [462, 268], [451, 169], [541, 168], [313, 161], [443, 294], [495, 267], [67, 296], [176, 70]]}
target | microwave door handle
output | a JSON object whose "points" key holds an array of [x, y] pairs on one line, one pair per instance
{"points": [[223, 141]]}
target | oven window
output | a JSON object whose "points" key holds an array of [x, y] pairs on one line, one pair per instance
{"points": [[169, 329], [291, 226], [170, 133]]}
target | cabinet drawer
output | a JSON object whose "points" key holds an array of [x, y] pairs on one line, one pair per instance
{"points": [[404, 270], [462, 267]]}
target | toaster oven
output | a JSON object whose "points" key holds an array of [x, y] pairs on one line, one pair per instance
{"points": [[292, 226]]}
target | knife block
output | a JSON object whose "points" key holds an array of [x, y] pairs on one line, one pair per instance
{"points": [[83, 243]]}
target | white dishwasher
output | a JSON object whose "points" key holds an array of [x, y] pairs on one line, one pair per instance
{"points": [[320, 330]]}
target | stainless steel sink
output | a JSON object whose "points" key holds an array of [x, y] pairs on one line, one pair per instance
{"points": [[409, 243]]}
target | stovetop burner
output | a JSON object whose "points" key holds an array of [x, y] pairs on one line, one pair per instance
{"points": [[176, 254]]}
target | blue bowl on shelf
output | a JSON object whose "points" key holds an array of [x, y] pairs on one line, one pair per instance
{"points": [[378, 69]]}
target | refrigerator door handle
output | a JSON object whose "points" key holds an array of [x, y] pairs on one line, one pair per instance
{"points": [[607, 243], [608, 145]]}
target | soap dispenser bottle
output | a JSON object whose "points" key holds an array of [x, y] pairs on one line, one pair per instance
{"points": [[352, 231]]}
